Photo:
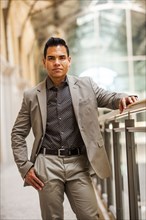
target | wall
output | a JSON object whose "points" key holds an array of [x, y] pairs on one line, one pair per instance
{"points": [[18, 58]]}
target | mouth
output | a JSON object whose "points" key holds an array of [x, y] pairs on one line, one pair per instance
{"points": [[57, 69]]}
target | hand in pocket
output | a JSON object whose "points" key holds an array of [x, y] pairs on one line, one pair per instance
{"points": [[33, 180]]}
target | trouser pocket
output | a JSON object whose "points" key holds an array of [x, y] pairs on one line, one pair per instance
{"points": [[40, 168]]}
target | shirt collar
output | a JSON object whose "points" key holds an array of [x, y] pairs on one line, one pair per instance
{"points": [[50, 85]]}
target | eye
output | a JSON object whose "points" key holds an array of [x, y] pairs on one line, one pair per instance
{"points": [[50, 58], [62, 57]]}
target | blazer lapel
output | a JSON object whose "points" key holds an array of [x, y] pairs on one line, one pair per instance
{"points": [[42, 99], [74, 95]]}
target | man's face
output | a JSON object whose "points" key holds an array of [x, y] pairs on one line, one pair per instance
{"points": [[57, 63]]}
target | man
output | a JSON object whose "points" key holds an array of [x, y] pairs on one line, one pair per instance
{"points": [[62, 112]]}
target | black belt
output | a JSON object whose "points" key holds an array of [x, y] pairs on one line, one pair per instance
{"points": [[61, 152]]}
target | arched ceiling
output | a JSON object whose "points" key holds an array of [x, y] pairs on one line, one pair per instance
{"points": [[51, 17], [57, 17]]}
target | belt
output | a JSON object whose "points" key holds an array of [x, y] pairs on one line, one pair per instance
{"points": [[61, 152]]}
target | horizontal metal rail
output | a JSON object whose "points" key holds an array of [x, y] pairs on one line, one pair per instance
{"points": [[130, 129], [132, 108]]}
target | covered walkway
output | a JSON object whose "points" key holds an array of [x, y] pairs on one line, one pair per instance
{"points": [[107, 42]]}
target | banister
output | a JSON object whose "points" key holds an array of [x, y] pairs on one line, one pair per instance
{"points": [[125, 145], [135, 107]]}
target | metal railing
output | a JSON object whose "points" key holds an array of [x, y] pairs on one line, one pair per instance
{"points": [[124, 194]]}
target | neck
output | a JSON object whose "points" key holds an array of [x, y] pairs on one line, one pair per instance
{"points": [[57, 81]]}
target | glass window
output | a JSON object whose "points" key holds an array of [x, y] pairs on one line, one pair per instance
{"points": [[140, 75], [112, 31], [83, 48], [121, 79], [138, 33], [100, 41]]}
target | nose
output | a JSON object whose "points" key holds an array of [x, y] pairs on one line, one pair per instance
{"points": [[57, 61]]}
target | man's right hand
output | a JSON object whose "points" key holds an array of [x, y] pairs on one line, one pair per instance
{"points": [[33, 180]]}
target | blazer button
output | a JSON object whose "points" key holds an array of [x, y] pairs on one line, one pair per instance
{"points": [[82, 128]]}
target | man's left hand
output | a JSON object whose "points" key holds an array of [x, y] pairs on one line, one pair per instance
{"points": [[124, 102]]}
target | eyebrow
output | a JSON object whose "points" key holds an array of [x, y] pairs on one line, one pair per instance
{"points": [[50, 56]]}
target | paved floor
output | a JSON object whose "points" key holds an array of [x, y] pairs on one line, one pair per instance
{"points": [[21, 203]]}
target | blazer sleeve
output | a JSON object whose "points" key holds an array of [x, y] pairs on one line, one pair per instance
{"points": [[106, 98], [19, 133]]}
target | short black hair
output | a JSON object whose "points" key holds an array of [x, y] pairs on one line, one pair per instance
{"points": [[55, 41]]}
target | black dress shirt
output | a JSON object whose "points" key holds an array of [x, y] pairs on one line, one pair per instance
{"points": [[61, 128]]}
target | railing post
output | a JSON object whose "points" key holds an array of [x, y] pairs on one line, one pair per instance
{"points": [[118, 181], [108, 150], [131, 170]]}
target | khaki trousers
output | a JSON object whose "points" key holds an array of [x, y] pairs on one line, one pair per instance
{"points": [[68, 175]]}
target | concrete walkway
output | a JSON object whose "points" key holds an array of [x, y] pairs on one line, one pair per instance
{"points": [[21, 203]]}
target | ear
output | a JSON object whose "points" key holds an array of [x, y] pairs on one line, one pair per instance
{"points": [[69, 60], [44, 62]]}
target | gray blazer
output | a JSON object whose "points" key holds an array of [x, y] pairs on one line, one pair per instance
{"points": [[86, 98]]}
